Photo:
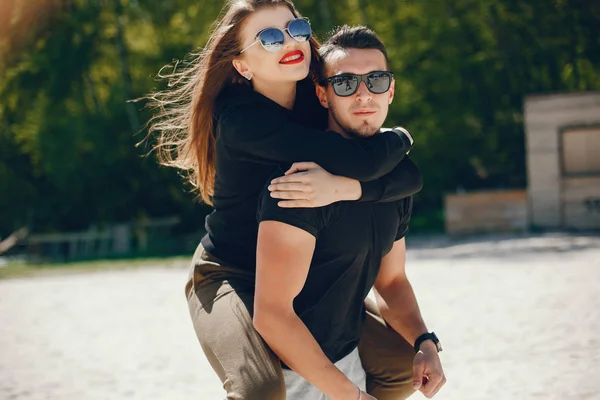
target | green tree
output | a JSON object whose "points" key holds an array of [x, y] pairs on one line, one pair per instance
{"points": [[69, 67]]}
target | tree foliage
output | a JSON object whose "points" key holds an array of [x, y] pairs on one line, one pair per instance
{"points": [[68, 68]]}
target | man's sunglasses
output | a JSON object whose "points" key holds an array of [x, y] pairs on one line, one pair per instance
{"points": [[272, 39], [345, 85]]}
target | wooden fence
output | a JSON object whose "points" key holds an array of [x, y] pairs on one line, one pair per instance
{"points": [[486, 212], [112, 241]]}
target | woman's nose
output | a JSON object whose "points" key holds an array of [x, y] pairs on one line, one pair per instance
{"points": [[288, 41]]}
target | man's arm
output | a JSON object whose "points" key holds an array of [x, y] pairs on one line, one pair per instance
{"points": [[284, 254], [398, 306], [395, 296]]}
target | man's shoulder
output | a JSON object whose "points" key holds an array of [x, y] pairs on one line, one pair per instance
{"points": [[397, 210], [404, 205], [312, 220], [267, 202]]}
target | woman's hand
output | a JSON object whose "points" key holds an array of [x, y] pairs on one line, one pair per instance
{"points": [[307, 185]]}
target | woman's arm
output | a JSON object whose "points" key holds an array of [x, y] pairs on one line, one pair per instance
{"points": [[307, 185], [260, 131], [283, 259], [404, 180]]}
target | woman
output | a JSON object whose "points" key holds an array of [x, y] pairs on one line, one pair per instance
{"points": [[238, 122]]}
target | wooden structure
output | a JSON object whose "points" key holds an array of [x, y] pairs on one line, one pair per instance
{"points": [[563, 160], [486, 211], [563, 172]]}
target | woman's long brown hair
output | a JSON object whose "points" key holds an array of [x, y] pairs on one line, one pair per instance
{"points": [[184, 121]]}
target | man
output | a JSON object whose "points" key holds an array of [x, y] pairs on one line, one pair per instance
{"points": [[316, 266]]}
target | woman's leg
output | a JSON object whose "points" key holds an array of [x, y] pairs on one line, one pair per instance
{"points": [[386, 357], [220, 301]]}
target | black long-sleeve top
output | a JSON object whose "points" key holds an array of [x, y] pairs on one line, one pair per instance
{"points": [[256, 137]]}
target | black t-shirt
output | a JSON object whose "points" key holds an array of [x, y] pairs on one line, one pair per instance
{"points": [[352, 238], [255, 136]]}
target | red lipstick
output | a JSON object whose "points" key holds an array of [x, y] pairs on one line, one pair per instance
{"points": [[293, 57]]}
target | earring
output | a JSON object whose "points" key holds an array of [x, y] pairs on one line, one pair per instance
{"points": [[248, 76]]}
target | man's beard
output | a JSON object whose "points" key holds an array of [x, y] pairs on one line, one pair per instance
{"points": [[362, 132]]}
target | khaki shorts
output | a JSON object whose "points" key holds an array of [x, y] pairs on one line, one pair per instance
{"points": [[221, 300]]}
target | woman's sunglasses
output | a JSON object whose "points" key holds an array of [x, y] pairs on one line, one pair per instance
{"points": [[345, 85], [272, 39]]}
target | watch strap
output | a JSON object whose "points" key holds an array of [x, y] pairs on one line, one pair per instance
{"points": [[427, 336], [406, 137]]}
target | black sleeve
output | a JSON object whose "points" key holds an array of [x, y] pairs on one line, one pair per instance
{"points": [[261, 132], [403, 181], [405, 208], [311, 220]]}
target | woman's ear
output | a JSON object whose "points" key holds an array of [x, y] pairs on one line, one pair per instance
{"points": [[242, 68]]}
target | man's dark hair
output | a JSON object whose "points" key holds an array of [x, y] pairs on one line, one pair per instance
{"points": [[350, 37]]}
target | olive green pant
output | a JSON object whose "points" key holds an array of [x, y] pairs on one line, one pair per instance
{"points": [[221, 299]]}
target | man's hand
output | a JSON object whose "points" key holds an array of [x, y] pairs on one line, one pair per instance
{"points": [[308, 185], [428, 374]]}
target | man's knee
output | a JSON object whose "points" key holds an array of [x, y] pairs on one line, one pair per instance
{"points": [[269, 389], [387, 359], [389, 376], [390, 390], [398, 372]]}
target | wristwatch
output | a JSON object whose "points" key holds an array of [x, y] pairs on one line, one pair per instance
{"points": [[406, 134], [428, 336]]}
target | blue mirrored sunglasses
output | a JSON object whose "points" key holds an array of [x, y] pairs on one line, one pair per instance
{"points": [[272, 39]]}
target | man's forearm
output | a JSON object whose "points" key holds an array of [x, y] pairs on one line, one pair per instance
{"points": [[399, 308], [293, 343]]}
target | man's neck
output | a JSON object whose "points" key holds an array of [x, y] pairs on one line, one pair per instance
{"points": [[340, 131], [335, 127], [283, 94]]}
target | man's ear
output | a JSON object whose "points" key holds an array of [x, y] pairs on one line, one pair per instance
{"points": [[322, 95], [242, 68], [392, 91]]}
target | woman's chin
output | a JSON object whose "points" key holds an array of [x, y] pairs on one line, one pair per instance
{"points": [[299, 75], [294, 72]]}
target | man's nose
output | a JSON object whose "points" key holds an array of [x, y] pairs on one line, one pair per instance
{"points": [[363, 93]]}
